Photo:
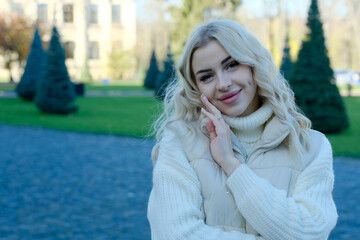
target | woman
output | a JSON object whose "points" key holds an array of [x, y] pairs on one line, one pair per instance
{"points": [[235, 158]]}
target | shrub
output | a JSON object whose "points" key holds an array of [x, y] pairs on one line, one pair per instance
{"points": [[165, 77], [152, 72], [312, 78], [26, 88], [286, 63], [55, 92]]}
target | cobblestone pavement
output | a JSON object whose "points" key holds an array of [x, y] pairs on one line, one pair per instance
{"points": [[116, 93], [62, 185], [113, 93]]}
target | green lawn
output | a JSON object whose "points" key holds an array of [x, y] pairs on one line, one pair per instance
{"points": [[7, 87], [348, 142], [134, 115], [129, 86], [88, 87], [93, 87], [109, 115], [344, 87]]}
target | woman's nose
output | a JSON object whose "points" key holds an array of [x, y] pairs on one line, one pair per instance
{"points": [[223, 82]]}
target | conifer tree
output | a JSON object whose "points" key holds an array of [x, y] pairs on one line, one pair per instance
{"points": [[286, 62], [152, 72], [311, 80], [26, 88], [165, 77], [55, 92]]}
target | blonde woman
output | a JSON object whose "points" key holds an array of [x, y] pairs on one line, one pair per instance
{"points": [[235, 158]]}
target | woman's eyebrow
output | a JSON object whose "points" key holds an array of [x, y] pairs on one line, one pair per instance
{"points": [[226, 59], [208, 70], [202, 71]]}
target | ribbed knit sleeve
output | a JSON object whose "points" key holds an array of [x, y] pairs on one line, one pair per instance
{"points": [[175, 203], [310, 213]]}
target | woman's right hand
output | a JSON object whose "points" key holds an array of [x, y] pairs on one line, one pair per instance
{"points": [[220, 138]]}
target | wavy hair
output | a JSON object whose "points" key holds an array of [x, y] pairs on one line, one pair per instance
{"points": [[182, 100]]}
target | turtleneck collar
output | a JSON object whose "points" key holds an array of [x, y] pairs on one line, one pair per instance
{"points": [[250, 128]]}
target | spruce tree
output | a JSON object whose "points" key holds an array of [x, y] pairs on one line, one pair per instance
{"points": [[55, 92], [165, 77], [26, 88], [286, 62], [311, 80], [152, 72]]}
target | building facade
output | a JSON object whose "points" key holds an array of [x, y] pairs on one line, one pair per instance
{"points": [[90, 29]]}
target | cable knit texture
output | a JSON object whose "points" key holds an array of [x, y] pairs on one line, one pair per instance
{"points": [[304, 211], [249, 129], [175, 209]]}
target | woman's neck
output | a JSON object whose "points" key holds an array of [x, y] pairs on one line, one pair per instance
{"points": [[249, 129]]}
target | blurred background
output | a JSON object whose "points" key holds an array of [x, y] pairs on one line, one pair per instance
{"points": [[118, 37], [82, 81]]}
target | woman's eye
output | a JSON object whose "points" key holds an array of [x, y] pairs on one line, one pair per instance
{"points": [[205, 77], [232, 65]]}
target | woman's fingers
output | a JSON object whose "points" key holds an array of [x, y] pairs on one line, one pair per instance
{"points": [[211, 129], [211, 107], [215, 117], [215, 120]]}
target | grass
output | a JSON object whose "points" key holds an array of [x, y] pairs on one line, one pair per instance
{"points": [[347, 143], [4, 79], [89, 87], [7, 87], [94, 87], [108, 115], [344, 87], [133, 116]]}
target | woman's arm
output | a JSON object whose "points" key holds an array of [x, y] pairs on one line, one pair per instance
{"points": [[309, 214], [175, 203]]}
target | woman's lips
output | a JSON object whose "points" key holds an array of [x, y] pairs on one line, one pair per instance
{"points": [[231, 97]]}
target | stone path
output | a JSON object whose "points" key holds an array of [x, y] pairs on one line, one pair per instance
{"points": [[148, 93], [12, 94], [119, 93], [62, 185]]}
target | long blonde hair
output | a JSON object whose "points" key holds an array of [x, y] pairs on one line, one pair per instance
{"points": [[182, 100]]}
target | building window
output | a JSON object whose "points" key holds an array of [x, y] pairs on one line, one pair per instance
{"points": [[69, 50], [42, 13], [68, 13], [116, 14], [17, 8], [94, 50], [93, 14]]}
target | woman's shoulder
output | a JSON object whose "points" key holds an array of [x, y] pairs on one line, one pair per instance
{"points": [[176, 131], [320, 148], [318, 140], [186, 136]]}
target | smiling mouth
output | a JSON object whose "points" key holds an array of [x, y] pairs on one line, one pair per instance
{"points": [[230, 97]]}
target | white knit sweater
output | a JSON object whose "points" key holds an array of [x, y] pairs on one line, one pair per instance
{"points": [[249, 129], [175, 203]]}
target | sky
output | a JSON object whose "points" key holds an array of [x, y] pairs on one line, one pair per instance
{"points": [[254, 6]]}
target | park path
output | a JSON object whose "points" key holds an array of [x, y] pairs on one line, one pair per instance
{"points": [[12, 94], [64, 185], [148, 93]]}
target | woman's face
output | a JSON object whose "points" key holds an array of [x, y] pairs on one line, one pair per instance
{"points": [[228, 85]]}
